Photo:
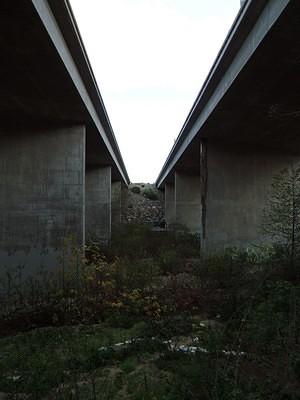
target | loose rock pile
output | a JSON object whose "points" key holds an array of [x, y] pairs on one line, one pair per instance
{"points": [[143, 203]]}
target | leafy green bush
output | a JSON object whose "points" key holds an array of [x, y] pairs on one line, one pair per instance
{"points": [[169, 261], [274, 320], [150, 194], [281, 216]]}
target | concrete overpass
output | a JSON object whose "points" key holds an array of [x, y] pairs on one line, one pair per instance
{"points": [[59, 159], [242, 129]]}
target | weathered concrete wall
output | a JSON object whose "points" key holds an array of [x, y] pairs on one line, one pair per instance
{"points": [[169, 204], [188, 201], [42, 177], [239, 178], [98, 203], [116, 204]]}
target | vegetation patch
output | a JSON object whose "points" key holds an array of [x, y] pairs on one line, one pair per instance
{"points": [[135, 189], [150, 194], [148, 318]]}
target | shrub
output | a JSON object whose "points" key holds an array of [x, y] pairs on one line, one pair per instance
{"points": [[136, 189], [150, 194], [274, 323], [281, 216], [169, 262]]}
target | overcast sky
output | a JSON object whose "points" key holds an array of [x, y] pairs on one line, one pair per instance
{"points": [[150, 58]]}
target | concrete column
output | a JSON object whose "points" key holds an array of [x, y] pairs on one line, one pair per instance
{"points": [[116, 204], [169, 204], [239, 178], [98, 203], [42, 178], [188, 201]]}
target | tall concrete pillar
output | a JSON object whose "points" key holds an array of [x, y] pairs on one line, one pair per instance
{"points": [[116, 204], [98, 203], [169, 204], [188, 201], [238, 180], [42, 178]]}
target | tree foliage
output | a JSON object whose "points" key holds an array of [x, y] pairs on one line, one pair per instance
{"points": [[281, 216]]}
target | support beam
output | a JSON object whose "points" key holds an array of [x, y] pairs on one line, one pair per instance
{"points": [[74, 58], [245, 37], [188, 201], [42, 178], [239, 178], [98, 203], [169, 204]]}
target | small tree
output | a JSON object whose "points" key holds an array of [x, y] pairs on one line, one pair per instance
{"points": [[281, 216]]}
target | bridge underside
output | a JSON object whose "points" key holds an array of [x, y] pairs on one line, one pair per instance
{"points": [[55, 166], [36, 87], [250, 135]]}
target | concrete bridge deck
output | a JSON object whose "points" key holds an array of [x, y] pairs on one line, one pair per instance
{"points": [[241, 130], [59, 158]]}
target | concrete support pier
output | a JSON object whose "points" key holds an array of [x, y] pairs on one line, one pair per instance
{"points": [[239, 179], [42, 178], [98, 203], [116, 204], [169, 204], [188, 201]]}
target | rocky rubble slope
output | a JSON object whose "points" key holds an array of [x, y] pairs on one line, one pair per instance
{"points": [[143, 203]]}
